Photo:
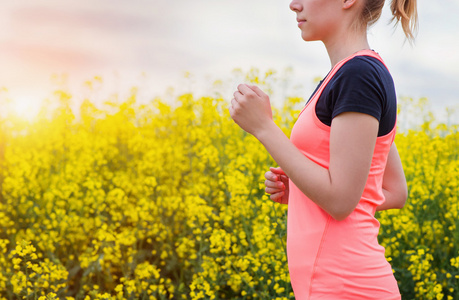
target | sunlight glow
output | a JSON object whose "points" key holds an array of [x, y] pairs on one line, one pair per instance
{"points": [[26, 106]]}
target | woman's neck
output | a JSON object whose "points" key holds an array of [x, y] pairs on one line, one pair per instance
{"points": [[344, 46]]}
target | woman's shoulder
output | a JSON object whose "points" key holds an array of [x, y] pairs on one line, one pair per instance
{"points": [[362, 71], [365, 65]]}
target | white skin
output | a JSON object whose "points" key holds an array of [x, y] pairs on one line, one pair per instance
{"points": [[339, 188]]}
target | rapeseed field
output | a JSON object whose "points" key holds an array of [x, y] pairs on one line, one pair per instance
{"points": [[166, 201]]}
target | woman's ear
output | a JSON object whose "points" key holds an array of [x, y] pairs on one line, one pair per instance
{"points": [[348, 3]]}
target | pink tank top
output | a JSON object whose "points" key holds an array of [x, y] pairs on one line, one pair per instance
{"points": [[331, 259]]}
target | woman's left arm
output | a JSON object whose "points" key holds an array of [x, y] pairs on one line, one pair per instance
{"points": [[337, 189], [394, 182]]}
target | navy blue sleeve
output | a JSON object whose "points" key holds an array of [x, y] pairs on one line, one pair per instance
{"points": [[357, 88], [364, 85]]}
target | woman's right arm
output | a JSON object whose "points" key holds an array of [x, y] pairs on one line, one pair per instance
{"points": [[394, 182]]}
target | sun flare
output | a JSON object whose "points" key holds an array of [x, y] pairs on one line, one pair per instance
{"points": [[25, 106]]}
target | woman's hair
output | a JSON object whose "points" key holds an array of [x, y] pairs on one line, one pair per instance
{"points": [[403, 11]]}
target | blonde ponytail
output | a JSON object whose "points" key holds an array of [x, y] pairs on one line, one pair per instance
{"points": [[405, 12]]}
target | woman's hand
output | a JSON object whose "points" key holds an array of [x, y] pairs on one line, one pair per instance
{"points": [[250, 109], [277, 185]]}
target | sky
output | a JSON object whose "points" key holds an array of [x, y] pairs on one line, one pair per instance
{"points": [[152, 44]]}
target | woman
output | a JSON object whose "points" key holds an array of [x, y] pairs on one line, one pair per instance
{"points": [[340, 164]]}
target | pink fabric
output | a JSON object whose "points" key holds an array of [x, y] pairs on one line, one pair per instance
{"points": [[331, 259]]}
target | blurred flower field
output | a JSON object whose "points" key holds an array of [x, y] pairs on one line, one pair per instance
{"points": [[166, 201]]}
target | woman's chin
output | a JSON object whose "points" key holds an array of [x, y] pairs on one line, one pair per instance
{"points": [[308, 38]]}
